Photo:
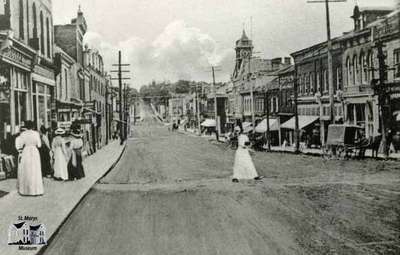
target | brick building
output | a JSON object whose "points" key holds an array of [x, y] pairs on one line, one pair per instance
{"points": [[26, 64]]}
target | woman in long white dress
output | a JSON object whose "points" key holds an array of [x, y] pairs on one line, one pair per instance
{"points": [[60, 156], [30, 182], [243, 168]]}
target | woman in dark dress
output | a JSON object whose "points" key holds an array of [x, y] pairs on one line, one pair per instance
{"points": [[75, 167], [44, 151]]}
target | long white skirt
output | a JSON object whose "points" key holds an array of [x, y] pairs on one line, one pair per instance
{"points": [[60, 165], [30, 182], [243, 167]]}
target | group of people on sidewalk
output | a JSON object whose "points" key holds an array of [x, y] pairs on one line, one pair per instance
{"points": [[60, 158]]}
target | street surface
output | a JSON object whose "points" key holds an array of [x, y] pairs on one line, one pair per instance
{"points": [[171, 193]]}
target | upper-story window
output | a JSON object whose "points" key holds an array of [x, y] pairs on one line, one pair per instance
{"points": [[42, 50], [48, 38], [34, 14], [311, 79], [66, 82], [21, 20], [370, 64], [396, 62], [326, 85], [355, 70], [318, 76], [348, 71], [339, 78], [364, 68]]}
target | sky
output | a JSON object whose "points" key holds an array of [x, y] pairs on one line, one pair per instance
{"points": [[167, 40]]}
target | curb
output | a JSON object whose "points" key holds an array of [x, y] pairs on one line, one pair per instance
{"points": [[51, 238]]}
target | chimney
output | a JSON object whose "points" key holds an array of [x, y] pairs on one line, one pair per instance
{"points": [[288, 61]]}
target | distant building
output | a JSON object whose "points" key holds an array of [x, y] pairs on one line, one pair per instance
{"points": [[251, 74]]}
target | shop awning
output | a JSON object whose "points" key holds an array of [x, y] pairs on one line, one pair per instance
{"points": [[262, 126], [304, 121], [247, 127], [209, 123]]}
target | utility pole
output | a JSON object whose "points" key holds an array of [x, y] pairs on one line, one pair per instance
{"points": [[107, 117], [296, 114], [198, 110], [251, 79], [120, 79], [329, 49], [268, 131], [215, 105], [382, 96]]}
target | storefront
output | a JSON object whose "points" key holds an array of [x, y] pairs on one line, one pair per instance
{"points": [[43, 84], [15, 89]]}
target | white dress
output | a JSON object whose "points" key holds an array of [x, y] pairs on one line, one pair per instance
{"points": [[30, 182], [60, 158], [243, 167]]}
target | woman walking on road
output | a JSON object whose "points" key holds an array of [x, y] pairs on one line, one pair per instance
{"points": [[243, 168], [75, 167], [44, 152], [30, 182], [60, 156]]}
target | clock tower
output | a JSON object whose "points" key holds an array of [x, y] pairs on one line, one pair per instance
{"points": [[244, 49]]}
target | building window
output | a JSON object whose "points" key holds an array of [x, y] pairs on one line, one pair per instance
{"points": [[27, 19], [339, 78], [364, 68], [311, 83], [370, 64], [355, 70], [34, 20], [396, 62], [21, 19], [348, 71], [318, 81], [41, 33], [66, 83], [325, 74], [48, 37]]}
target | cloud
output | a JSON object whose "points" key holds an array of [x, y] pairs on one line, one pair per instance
{"points": [[179, 52]]}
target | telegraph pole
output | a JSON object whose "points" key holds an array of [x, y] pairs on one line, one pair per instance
{"points": [[120, 79], [296, 114], [329, 49], [382, 96], [215, 105]]}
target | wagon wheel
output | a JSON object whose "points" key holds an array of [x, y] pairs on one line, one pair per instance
{"points": [[326, 152], [341, 152]]}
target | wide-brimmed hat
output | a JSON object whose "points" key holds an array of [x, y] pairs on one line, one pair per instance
{"points": [[59, 131]]}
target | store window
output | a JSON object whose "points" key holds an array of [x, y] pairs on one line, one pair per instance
{"points": [[396, 62], [5, 121]]}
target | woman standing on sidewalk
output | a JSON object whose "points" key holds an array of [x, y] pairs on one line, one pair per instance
{"points": [[44, 152], [75, 167], [30, 182], [243, 168], [60, 156]]}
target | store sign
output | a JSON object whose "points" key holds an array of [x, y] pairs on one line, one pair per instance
{"points": [[18, 57], [64, 124], [83, 121]]}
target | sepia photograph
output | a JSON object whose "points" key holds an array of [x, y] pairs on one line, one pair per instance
{"points": [[199, 127]]}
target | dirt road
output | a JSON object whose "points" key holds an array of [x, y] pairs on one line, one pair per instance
{"points": [[171, 194]]}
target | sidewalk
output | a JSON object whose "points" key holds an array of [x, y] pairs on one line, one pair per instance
{"points": [[316, 152], [59, 199]]}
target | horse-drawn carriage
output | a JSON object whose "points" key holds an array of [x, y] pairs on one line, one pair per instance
{"points": [[345, 141]]}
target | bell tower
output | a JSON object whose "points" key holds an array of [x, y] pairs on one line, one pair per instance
{"points": [[244, 50]]}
